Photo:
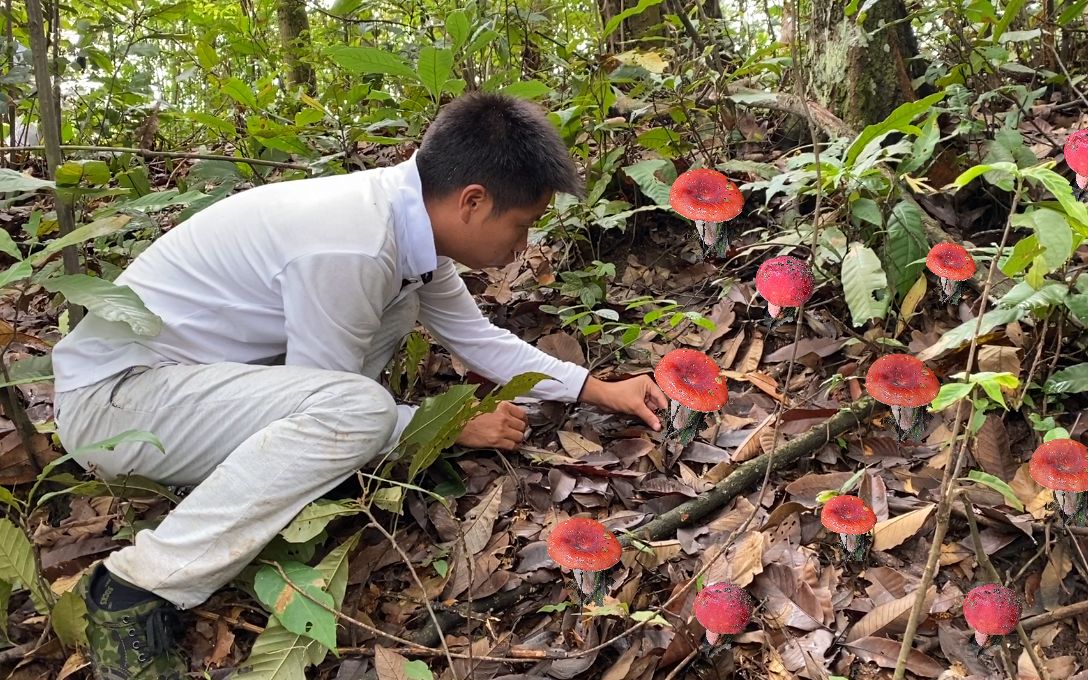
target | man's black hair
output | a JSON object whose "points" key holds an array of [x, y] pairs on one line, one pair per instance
{"points": [[506, 144]]}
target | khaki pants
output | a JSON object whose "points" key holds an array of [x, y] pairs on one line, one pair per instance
{"points": [[259, 443]]}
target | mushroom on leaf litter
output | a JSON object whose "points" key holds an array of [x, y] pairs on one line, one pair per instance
{"points": [[784, 282], [1076, 156], [695, 386], [1062, 466], [953, 264], [904, 383], [853, 521], [590, 549], [991, 609], [708, 197], [723, 609]]}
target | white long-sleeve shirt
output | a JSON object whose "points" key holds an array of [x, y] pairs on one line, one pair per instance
{"points": [[304, 270]]}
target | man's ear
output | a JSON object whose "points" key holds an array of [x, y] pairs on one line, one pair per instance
{"points": [[474, 198]]}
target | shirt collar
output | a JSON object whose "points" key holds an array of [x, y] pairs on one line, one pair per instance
{"points": [[415, 238]]}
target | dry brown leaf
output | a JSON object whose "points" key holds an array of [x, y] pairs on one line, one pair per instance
{"points": [[389, 665], [787, 601], [481, 519], [1058, 667], [752, 446], [741, 563], [576, 445], [753, 352], [562, 346], [884, 653], [873, 491], [723, 316], [800, 652], [805, 489], [896, 530], [1034, 497], [822, 347], [882, 616], [224, 642], [76, 662], [999, 359], [991, 448], [622, 666], [1057, 568]]}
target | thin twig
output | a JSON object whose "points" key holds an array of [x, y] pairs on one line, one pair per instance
{"points": [[1068, 611], [147, 153]]}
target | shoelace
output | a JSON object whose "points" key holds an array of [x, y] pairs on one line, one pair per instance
{"points": [[163, 626]]}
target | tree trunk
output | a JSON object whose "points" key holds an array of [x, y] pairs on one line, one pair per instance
{"points": [[295, 38], [860, 72], [635, 28]]}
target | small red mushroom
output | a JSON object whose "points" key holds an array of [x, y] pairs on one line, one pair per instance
{"points": [[853, 521], [784, 282], [953, 264], [723, 609], [696, 387], [1061, 465], [708, 197], [904, 383], [991, 609], [589, 548], [1076, 156]]}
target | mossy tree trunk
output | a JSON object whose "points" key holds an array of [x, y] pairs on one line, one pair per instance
{"points": [[860, 72], [295, 38]]}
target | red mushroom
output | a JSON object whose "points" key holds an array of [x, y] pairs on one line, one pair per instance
{"points": [[904, 383], [696, 387], [723, 609], [784, 282], [1062, 466], [1076, 156], [953, 264], [708, 197], [853, 521], [588, 547], [991, 609]]}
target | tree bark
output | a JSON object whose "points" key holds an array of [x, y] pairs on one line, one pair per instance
{"points": [[860, 72], [295, 37], [633, 29]]}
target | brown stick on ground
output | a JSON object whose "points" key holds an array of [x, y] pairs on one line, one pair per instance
{"points": [[696, 509]]}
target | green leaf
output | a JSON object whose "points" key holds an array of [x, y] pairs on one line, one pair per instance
{"points": [[997, 485], [68, 619], [107, 300], [390, 499], [206, 56], [435, 66], [313, 519], [131, 486], [17, 562], [1078, 305], [72, 173], [1066, 381], [1062, 190], [527, 89], [898, 120], [1025, 250], [924, 144], [417, 670], [1023, 296], [222, 125], [962, 334], [458, 28], [971, 173], [1052, 232], [239, 91], [865, 284], [361, 60], [650, 616], [866, 210], [906, 245], [5, 598], [86, 232], [519, 386], [17, 182], [8, 245], [949, 394], [435, 427], [993, 390], [156, 201], [15, 273], [645, 174], [295, 612], [615, 21]]}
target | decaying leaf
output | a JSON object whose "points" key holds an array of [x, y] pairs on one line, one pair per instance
{"points": [[884, 653], [896, 530]]}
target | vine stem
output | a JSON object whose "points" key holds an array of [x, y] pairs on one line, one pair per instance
{"points": [[952, 467]]}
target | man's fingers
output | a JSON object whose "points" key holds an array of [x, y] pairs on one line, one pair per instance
{"points": [[657, 397], [649, 418]]}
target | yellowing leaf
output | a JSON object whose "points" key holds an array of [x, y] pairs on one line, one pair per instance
{"points": [[910, 303]]}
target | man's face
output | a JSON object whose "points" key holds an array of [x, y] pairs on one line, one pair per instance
{"points": [[490, 240]]}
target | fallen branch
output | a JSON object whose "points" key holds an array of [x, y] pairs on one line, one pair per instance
{"points": [[692, 511], [1068, 611], [148, 153]]}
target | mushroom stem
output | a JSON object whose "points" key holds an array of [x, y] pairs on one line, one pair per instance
{"points": [[1082, 182], [774, 310], [981, 638], [855, 545], [686, 423], [711, 638], [721, 239], [1073, 506], [909, 421]]}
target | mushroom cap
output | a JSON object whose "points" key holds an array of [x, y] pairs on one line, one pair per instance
{"points": [[848, 515], [1076, 152], [901, 380], [723, 608], [785, 281], [693, 379], [585, 544], [992, 609], [1060, 465], [705, 194], [951, 261]]}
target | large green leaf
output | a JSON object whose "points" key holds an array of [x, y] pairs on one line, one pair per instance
{"points": [[645, 174], [458, 28], [1069, 380], [239, 91], [68, 619], [527, 89], [961, 335], [107, 300], [898, 120], [315, 517], [279, 654], [360, 60], [905, 246], [72, 173], [1052, 232], [435, 427], [12, 181], [865, 284], [86, 232], [8, 246], [435, 66], [968, 175], [1062, 190], [295, 612], [15, 273], [615, 21], [17, 562]]}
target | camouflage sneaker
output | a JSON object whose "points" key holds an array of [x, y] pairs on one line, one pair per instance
{"points": [[131, 642]]}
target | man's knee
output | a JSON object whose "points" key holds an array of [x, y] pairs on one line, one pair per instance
{"points": [[358, 410]]}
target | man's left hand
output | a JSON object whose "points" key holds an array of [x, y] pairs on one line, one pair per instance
{"points": [[639, 396]]}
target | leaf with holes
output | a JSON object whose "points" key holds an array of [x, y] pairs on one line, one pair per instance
{"points": [[297, 612], [865, 284]]}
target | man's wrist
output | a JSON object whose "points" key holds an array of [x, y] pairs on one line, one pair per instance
{"points": [[591, 390]]}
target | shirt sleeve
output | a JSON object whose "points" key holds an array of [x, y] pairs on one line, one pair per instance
{"points": [[449, 312], [332, 303]]}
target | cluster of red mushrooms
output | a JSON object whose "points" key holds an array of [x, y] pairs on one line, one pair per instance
{"points": [[697, 389]]}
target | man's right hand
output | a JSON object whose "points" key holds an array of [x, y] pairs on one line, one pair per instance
{"points": [[503, 428]]}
